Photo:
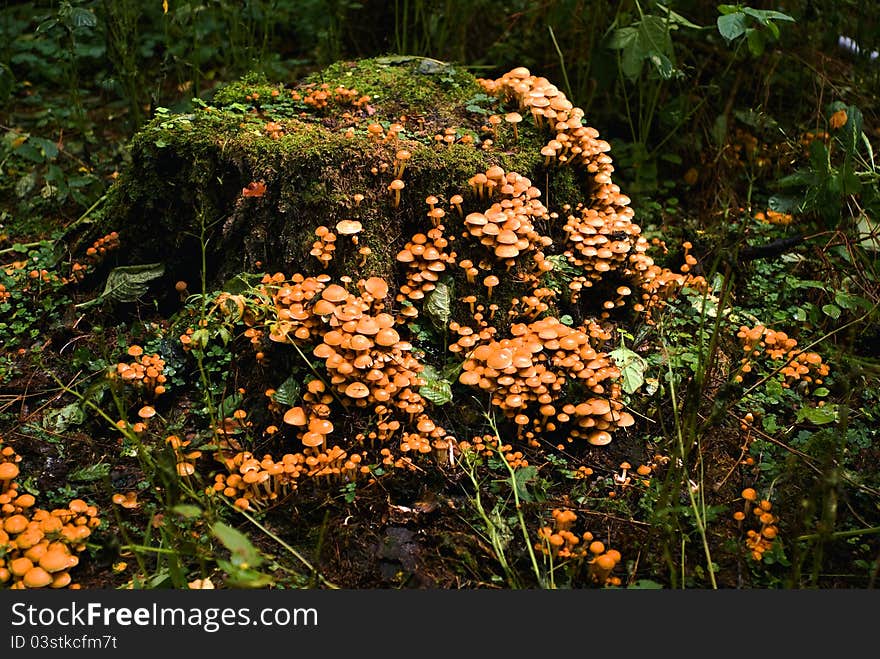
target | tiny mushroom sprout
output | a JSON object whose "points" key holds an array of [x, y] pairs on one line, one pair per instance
{"points": [[513, 118], [400, 159], [490, 282], [396, 186]]}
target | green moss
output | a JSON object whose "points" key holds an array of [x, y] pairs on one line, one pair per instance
{"points": [[184, 186], [404, 84]]}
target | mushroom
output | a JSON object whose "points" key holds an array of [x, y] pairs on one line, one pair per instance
{"points": [[349, 228], [401, 158], [513, 118], [396, 186], [490, 282]]}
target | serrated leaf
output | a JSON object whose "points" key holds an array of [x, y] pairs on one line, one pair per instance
{"points": [[632, 368], [438, 306], [91, 473], [243, 553], [127, 283], [81, 17], [288, 393], [435, 389]]}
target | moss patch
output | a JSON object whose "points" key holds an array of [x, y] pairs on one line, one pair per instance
{"points": [[184, 187]]}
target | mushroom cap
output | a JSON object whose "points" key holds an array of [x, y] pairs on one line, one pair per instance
{"points": [[334, 293], [387, 337], [377, 287], [357, 390], [396, 184], [313, 439], [348, 227], [491, 280], [36, 577], [600, 438], [8, 471], [513, 117], [147, 412], [295, 416], [506, 252], [321, 426], [15, 524]]}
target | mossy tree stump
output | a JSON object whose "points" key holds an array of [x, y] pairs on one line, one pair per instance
{"points": [[312, 148]]}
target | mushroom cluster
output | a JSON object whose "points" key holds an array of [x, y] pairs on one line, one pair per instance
{"points": [[425, 258], [38, 547], [184, 459], [324, 246], [799, 366], [94, 255], [507, 228], [367, 363], [254, 484], [761, 540], [145, 373], [527, 377], [488, 445], [560, 542], [601, 236]]}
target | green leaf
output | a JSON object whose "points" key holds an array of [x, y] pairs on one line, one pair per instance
{"points": [[48, 147], [821, 392], [239, 577], [80, 17], [851, 131], [521, 478], [228, 405], [654, 36], [438, 306], [288, 392], [243, 553], [831, 310], [645, 584], [678, 19], [818, 415], [436, 389], [732, 26], [61, 420], [187, 510], [755, 39], [764, 16], [719, 130], [774, 390], [632, 368], [91, 473], [782, 203], [622, 38], [127, 283]]}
